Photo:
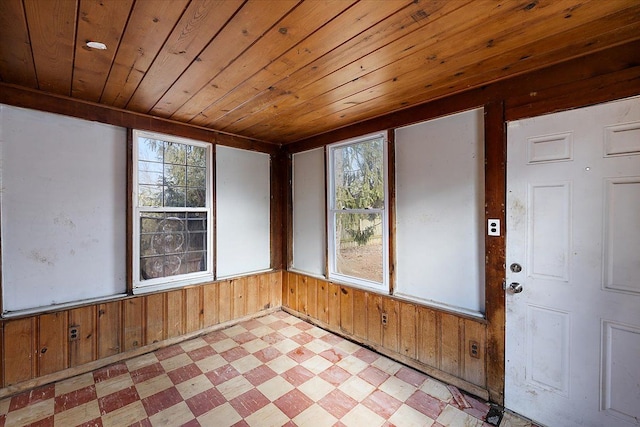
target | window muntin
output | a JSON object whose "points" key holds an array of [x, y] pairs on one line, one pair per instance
{"points": [[172, 211], [358, 224]]}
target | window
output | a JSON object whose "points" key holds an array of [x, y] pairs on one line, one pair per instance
{"points": [[172, 211], [357, 206]]}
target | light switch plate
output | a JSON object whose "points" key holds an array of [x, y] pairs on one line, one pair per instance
{"points": [[493, 227]]}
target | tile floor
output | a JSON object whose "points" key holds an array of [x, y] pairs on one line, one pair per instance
{"points": [[275, 370]]}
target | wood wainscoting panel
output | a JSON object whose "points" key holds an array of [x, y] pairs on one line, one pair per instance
{"points": [[19, 350], [275, 282], [285, 289], [175, 313], [253, 294], [109, 329], [359, 313], [391, 330], [53, 343], [210, 305], [156, 315], [449, 339], [374, 316], [333, 302], [427, 339], [312, 297], [239, 287], [409, 330], [83, 349], [346, 309], [40, 346], [194, 311], [322, 300], [474, 341], [301, 294], [225, 301], [446, 345], [133, 323]]}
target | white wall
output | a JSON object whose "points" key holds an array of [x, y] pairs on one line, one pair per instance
{"points": [[63, 207], [440, 212], [242, 212], [309, 229]]}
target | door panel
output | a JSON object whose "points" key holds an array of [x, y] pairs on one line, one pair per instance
{"points": [[573, 223]]}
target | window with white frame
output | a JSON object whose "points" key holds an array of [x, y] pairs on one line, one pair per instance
{"points": [[357, 207], [172, 218]]}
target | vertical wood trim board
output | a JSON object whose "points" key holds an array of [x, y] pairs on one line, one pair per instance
{"points": [[495, 201]]}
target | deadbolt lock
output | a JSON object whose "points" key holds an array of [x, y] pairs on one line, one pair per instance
{"points": [[515, 267]]}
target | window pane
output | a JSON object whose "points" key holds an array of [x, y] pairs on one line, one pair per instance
{"points": [[175, 197], [149, 221], [196, 156], [149, 173], [196, 177], [172, 243], [150, 149], [359, 175], [175, 153], [196, 198], [359, 246], [175, 175], [150, 195]]}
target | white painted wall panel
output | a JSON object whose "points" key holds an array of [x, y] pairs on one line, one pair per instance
{"points": [[309, 229], [440, 211], [242, 212], [63, 209]]}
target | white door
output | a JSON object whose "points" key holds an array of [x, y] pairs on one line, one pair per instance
{"points": [[573, 226]]}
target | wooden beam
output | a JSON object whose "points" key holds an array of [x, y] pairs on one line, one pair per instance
{"points": [[495, 200], [280, 216]]}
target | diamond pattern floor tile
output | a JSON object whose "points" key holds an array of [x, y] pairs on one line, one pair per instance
{"points": [[276, 370]]}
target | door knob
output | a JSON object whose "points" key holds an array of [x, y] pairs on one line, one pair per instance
{"points": [[515, 287]]}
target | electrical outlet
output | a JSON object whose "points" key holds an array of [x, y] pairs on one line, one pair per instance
{"points": [[474, 349], [493, 227], [384, 318], [74, 333]]}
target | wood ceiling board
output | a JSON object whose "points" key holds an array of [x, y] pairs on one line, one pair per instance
{"points": [[102, 22], [268, 80], [16, 60], [442, 78], [202, 20], [357, 77], [302, 21], [608, 74], [247, 26], [521, 59], [334, 66], [149, 26], [285, 93], [343, 76], [52, 28]]}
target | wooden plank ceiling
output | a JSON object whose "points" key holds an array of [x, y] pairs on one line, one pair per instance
{"points": [[284, 70]]}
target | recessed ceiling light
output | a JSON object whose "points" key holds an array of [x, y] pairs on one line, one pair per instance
{"points": [[97, 45]]}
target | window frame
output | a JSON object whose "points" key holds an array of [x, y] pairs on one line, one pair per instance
{"points": [[332, 212], [140, 285]]}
